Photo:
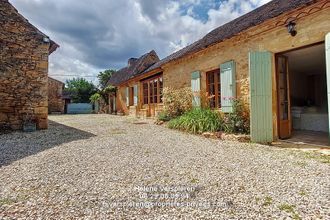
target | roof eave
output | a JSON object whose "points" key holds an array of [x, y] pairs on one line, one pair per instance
{"points": [[141, 76], [53, 47]]}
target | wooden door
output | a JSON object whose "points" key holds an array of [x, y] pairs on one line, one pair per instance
{"points": [[283, 97], [327, 55]]}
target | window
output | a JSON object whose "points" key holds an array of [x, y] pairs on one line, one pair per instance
{"points": [[155, 94], [161, 89], [131, 96], [145, 93], [153, 90], [213, 88]]}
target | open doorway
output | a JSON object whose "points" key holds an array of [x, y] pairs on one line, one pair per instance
{"points": [[302, 95]]}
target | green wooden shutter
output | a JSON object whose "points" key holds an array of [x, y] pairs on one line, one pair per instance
{"points": [[196, 88], [135, 95], [261, 96], [228, 86], [127, 96], [327, 53]]}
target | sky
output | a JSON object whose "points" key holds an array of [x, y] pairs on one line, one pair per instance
{"points": [[103, 34]]}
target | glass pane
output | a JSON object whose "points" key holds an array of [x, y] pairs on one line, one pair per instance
{"points": [[219, 96], [210, 77], [151, 84], [212, 90], [155, 91], [161, 89], [283, 89], [145, 93]]}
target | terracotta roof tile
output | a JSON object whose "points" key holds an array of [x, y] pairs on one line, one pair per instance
{"points": [[136, 67]]}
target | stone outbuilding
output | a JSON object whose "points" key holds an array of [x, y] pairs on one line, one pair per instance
{"points": [[24, 52], [56, 100]]}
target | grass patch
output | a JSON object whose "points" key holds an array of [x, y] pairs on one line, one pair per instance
{"points": [[319, 157], [302, 163], [194, 180], [302, 193], [6, 201], [268, 201], [198, 121], [289, 209]]}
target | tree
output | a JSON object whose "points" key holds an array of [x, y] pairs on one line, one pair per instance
{"points": [[80, 90], [105, 89], [104, 77], [95, 98]]}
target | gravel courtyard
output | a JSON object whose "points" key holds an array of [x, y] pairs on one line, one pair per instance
{"points": [[110, 167]]}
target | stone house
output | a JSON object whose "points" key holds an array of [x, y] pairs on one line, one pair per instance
{"points": [[273, 58], [24, 52], [55, 96], [126, 98]]}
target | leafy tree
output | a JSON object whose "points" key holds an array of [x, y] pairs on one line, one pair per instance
{"points": [[105, 89], [104, 77], [95, 98], [80, 90]]}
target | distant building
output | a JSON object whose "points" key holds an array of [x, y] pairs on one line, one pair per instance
{"points": [[56, 100]]}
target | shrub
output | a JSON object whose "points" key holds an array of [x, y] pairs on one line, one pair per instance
{"points": [[177, 102], [198, 121], [163, 116], [239, 120], [95, 98]]}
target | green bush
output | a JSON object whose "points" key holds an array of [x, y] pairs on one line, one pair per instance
{"points": [[239, 120], [198, 121], [163, 116], [95, 98]]}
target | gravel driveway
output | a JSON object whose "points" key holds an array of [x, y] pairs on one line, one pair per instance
{"points": [[109, 167]]}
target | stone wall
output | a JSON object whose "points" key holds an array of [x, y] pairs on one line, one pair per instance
{"points": [[23, 70], [55, 96]]}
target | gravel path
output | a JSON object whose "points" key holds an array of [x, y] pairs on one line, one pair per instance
{"points": [[99, 166]]}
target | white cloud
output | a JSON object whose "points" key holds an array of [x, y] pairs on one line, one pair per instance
{"points": [[98, 34]]}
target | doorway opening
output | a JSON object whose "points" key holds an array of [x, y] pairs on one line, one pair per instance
{"points": [[302, 95]]}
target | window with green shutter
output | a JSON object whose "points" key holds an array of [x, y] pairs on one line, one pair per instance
{"points": [[228, 86]]}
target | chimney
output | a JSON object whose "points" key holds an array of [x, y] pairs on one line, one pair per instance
{"points": [[131, 61]]}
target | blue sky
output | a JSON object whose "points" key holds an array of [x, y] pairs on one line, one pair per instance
{"points": [[97, 35]]}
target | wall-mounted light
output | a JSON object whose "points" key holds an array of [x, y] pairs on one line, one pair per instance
{"points": [[291, 26], [46, 40]]}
